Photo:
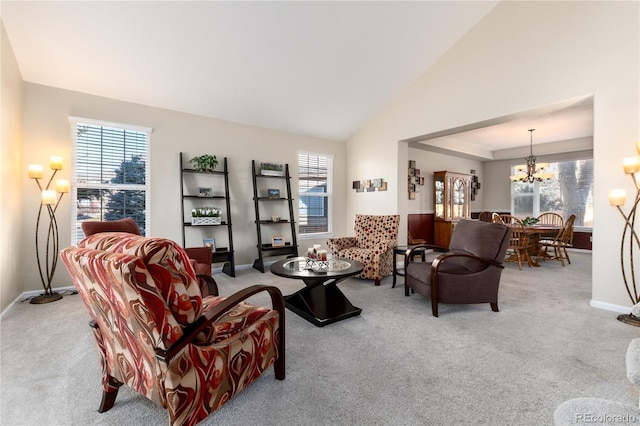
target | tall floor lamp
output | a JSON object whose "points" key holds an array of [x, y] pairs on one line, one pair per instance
{"points": [[629, 242], [49, 201]]}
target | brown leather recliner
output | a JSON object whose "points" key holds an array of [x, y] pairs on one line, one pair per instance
{"points": [[200, 257], [468, 273]]}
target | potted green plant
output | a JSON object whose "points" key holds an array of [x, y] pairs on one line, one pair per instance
{"points": [[204, 163], [206, 216], [528, 221], [271, 169]]}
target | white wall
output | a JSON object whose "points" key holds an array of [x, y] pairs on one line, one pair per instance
{"points": [[46, 132], [11, 239], [525, 55], [429, 162]]}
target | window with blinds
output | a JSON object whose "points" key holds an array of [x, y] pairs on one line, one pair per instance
{"points": [[110, 173], [315, 181]]}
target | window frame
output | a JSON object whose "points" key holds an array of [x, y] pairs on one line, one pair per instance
{"points": [[328, 195], [537, 192], [74, 122]]}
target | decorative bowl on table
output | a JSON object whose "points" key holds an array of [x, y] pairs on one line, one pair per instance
{"points": [[318, 266]]}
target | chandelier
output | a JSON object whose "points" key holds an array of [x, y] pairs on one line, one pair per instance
{"points": [[531, 171]]}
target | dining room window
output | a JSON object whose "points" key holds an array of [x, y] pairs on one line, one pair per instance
{"points": [[569, 192]]}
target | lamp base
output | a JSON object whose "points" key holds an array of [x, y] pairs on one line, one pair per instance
{"points": [[45, 298], [629, 319]]}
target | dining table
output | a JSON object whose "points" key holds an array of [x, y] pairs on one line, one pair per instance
{"points": [[535, 233]]}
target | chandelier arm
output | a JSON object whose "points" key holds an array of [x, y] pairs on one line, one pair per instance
{"points": [[531, 174]]}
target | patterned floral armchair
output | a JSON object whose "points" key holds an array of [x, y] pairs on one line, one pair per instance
{"points": [[373, 242], [157, 335]]}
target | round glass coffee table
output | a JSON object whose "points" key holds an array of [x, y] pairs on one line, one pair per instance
{"points": [[320, 302]]}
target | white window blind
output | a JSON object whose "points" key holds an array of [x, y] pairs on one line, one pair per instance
{"points": [[110, 176], [315, 181]]}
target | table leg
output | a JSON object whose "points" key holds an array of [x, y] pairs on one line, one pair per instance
{"points": [[321, 303], [395, 270], [534, 242]]}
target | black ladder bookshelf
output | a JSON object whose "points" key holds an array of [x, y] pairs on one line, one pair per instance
{"points": [[192, 199], [266, 199]]}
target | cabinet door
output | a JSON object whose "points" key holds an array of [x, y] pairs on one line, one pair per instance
{"points": [[439, 196], [459, 198]]}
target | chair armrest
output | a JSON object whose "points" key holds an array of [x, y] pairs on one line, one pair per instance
{"points": [[212, 286], [385, 245], [340, 243], [442, 258], [219, 310], [414, 251]]}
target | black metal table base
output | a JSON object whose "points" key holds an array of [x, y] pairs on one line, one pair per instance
{"points": [[321, 304]]}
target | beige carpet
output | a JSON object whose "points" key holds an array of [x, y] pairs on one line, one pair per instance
{"points": [[393, 365]]}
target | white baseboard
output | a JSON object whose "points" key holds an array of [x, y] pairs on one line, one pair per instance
{"points": [[33, 293], [610, 307], [248, 266]]}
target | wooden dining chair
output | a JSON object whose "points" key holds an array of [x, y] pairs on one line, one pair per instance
{"points": [[519, 240], [556, 248], [414, 241], [485, 216], [551, 219]]}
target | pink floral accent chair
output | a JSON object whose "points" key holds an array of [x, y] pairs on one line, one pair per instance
{"points": [[373, 242], [159, 336]]}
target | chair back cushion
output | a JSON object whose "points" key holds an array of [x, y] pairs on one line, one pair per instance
{"points": [[119, 293], [168, 264], [369, 230], [481, 239], [121, 225]]}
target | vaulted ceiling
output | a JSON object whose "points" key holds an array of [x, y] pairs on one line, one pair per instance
{"points": [[315, 68]]}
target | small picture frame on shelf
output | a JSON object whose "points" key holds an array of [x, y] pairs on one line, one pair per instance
{"points": [[273, 193], [210, 242], [204, 192], [277, 241]]}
